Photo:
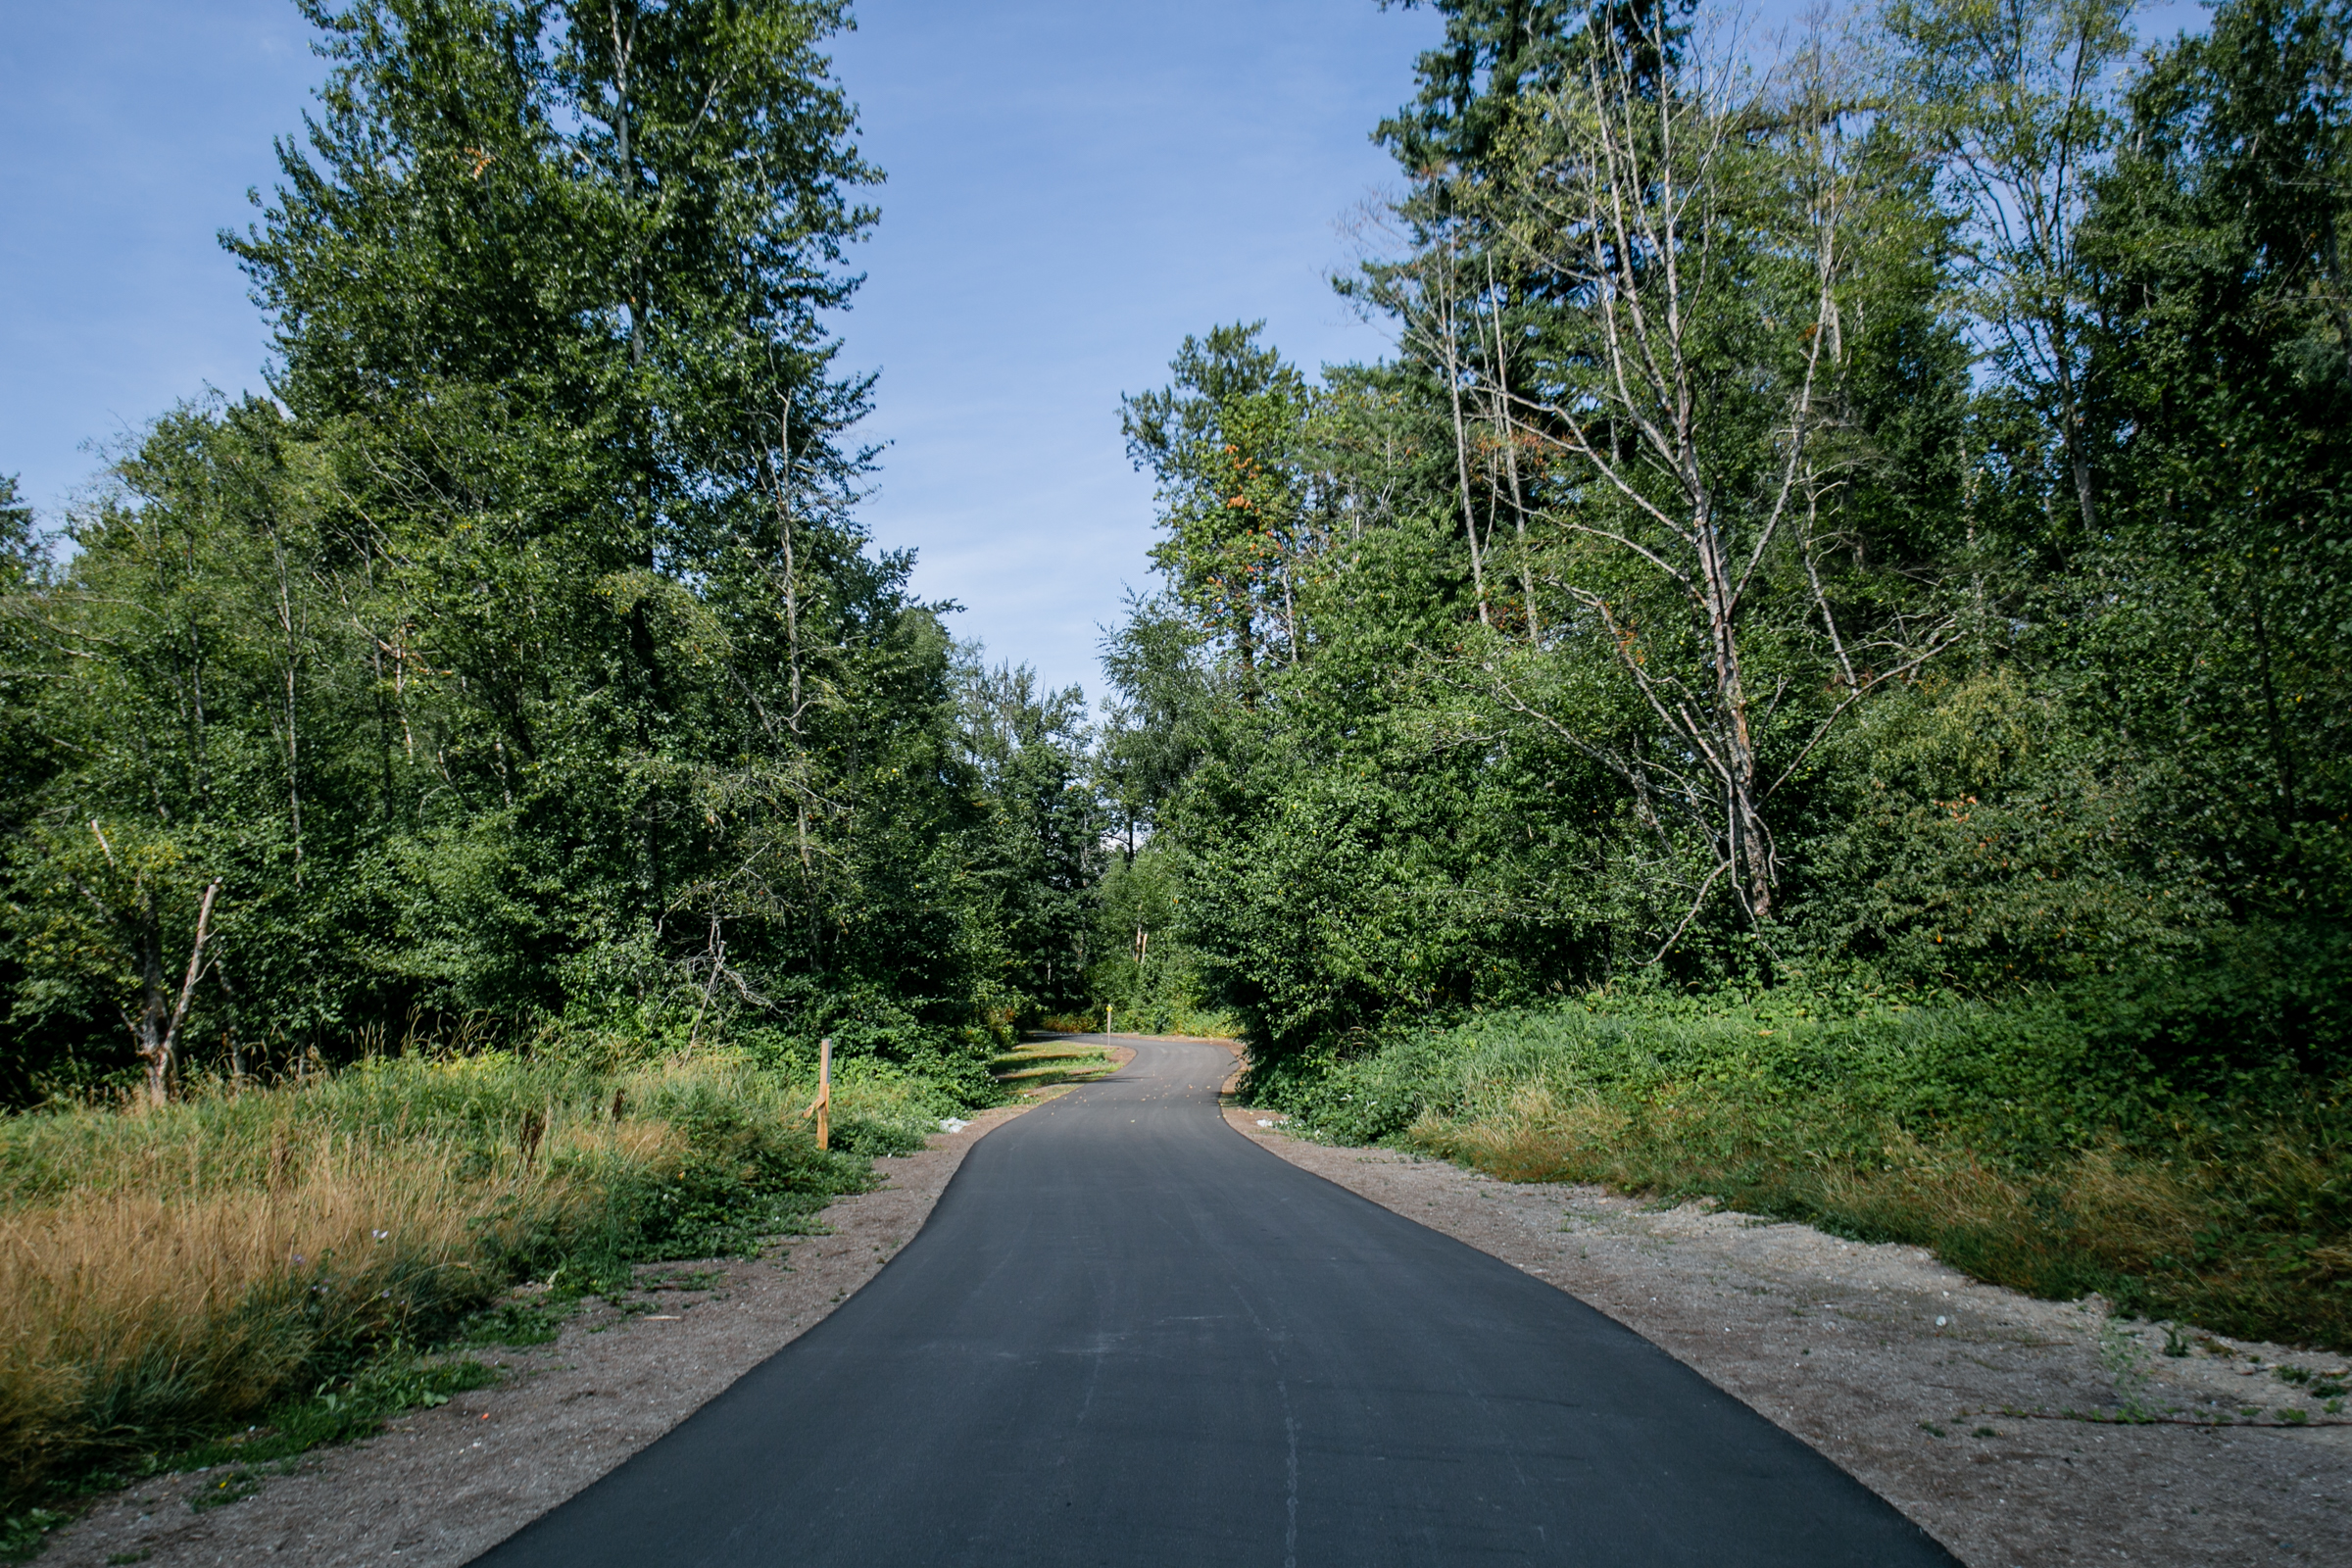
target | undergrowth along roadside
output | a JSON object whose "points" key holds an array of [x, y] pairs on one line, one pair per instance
{"points": [[2015, 1142], [241, 1275]]}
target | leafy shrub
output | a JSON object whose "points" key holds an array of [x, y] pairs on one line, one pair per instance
{"points": [[2181, 1144]]}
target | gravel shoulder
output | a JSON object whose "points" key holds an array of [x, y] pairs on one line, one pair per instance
{"points": [[439, 1487], [1918, 1380]]}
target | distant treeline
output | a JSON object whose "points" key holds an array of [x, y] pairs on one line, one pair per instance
{"points": [[518, 670], [1866, 510]]}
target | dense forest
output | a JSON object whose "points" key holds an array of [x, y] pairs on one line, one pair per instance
{"points": [[518, 670], [449, 798], [1819, 673], [1869, 520]]}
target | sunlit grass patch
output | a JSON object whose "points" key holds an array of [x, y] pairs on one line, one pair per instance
{"points": [[257, 1267], [1045, 1062]]}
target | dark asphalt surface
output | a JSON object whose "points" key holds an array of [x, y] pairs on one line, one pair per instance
{"points": [[1130, 1336]]}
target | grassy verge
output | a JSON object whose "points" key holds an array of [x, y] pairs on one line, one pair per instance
{"points": [[2022, 1144], [1043, 1063], [239, 1276]]}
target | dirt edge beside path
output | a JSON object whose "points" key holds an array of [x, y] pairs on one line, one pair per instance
{"points": [[1907, 1373], [440, 1487]]}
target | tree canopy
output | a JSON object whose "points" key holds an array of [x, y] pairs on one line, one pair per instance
{"points": [[520, 669], [1865, 512]]}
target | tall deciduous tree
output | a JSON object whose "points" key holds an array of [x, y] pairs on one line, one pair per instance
{"points": [[2018, 97], [1223, 442], [2220, 595], [1713, 239], [1040, 851]]}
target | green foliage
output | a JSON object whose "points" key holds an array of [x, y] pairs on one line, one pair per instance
{"points": [[1154, 726], [521, 673], [747, 1173], [1830, 673], [1145, 971], [1983, 839], [1223, 443], [2217, 610], [2177, 1144], [1495, 53], [25, 1533], [1857, 735], [1038, 856], [341, 1410], [2027, 1079]]}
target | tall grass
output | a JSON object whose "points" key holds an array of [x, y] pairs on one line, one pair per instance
{"points": [[2011, 1141], [168, 1273]]}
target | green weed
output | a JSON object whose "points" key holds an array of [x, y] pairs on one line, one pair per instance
{"points": [[1043, 1063], [520, 1323], [24, 1533], [2023, 1144], [235, 1487]]}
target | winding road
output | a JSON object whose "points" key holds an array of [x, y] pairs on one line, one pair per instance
{"points": [[1130, 1336]]}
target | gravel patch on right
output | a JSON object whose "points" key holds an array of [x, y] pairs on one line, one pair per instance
{"points": [[1948, 1397]]}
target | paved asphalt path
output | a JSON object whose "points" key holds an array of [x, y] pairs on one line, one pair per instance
{"points": [[1130, 1336]]}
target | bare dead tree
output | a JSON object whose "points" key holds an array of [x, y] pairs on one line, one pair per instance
{"points": [[158, 1017], [1698, 220], [1506, 432]]}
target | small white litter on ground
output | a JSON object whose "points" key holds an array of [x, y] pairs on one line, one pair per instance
{"points": [[952, 1124]]}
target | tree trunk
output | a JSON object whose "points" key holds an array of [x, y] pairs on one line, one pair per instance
{"points": [[1504, 429], [285, 622], [1747, 845], [155, 1031], [1461, 457]]}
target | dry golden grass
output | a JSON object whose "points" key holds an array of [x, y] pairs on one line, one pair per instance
{"points": [[131, 1310], [1532, 1132], [167, 1273]]}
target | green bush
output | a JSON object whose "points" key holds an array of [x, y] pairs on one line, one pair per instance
{"points": [[2180, 1144]]}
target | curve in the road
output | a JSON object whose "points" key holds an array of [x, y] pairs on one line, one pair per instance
{"points": [[1130, 1336]]}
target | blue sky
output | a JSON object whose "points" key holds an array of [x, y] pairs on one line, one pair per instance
{"points": [[129, 131], [1073, 187]]}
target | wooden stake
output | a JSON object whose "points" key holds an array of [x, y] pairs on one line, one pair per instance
{"points": [[824, 1092]]}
